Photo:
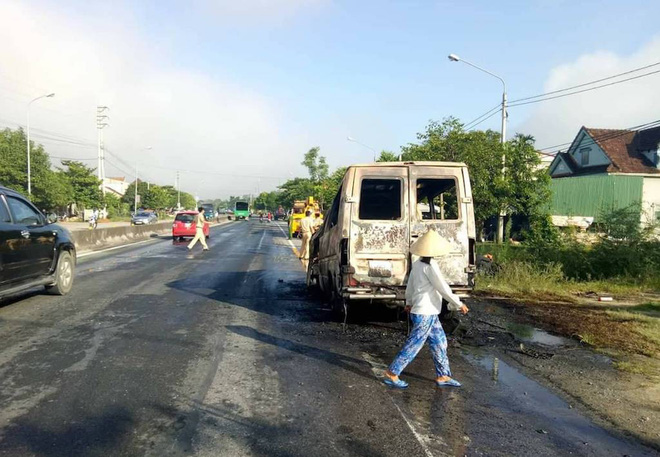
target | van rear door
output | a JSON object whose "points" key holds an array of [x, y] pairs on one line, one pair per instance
{"points": [[437, 201], [379, 238]]}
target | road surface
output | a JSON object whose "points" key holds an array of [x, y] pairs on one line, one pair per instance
{"points": [[161, 352]]}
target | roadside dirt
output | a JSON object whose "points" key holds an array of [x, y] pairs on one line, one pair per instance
{"points": [[588, 378]]}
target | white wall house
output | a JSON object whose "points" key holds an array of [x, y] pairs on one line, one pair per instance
{"points": [[117, 186]]}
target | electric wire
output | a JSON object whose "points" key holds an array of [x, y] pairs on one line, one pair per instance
{"points": [[483, 120], [606, 136], [584, 90], [586, 84], [468, 125]]}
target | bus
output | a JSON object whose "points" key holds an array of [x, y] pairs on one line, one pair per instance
{"points": [[241, 210], [209, 211]]}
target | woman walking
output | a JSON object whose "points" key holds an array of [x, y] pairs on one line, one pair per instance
{"points": [[424, 293]]}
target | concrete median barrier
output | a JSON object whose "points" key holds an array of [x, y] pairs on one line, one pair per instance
{"points": [[101, 238], [106, 237]]}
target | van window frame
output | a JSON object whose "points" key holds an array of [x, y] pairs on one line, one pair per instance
{"points": [[458, 199], [401, 197], [333, 213]]}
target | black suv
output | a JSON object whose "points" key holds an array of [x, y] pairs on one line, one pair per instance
{"points": [[33, 251]]}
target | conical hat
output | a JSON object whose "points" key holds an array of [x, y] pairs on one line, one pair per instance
{"points": [[431, 245]]}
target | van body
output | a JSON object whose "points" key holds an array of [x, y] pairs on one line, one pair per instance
{"points": [[362, 250]]}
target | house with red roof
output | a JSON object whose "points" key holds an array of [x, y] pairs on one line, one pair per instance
{"points": [[606, 169]]}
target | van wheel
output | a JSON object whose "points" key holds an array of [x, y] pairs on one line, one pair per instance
{"points": [[63, 275], [312, 281]]}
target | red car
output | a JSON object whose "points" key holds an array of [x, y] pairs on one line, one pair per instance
{"points": [[184, 225]]}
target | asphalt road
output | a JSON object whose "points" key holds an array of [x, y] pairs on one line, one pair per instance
{"points": [[161, 352]]}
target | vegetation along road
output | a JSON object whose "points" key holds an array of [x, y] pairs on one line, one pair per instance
{"points": [[223, 353]]}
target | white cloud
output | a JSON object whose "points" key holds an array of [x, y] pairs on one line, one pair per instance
{"points": [[192, 120], [619, 106]]}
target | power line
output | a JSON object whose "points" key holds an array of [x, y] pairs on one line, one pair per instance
{"points": [[76, 159], [585, 90], [586, 84], [608, 136], [483, 120], [468, 124], [618, 132]]}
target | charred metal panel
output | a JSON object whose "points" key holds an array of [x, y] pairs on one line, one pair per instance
{"points": [[453, 264], [380, 237]]}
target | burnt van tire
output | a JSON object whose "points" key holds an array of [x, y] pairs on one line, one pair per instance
{"points": [[64, 273]]}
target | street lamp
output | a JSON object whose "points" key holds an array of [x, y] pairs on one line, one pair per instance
{"points": [[350, 138], [29, 171], [455, 58], [148, 148]]}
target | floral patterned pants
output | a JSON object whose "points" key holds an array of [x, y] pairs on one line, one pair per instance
{"points": [[424, 327]]}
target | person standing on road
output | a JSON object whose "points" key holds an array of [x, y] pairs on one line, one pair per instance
{"points": [[424, 293], [199, 231], [307, 228]]}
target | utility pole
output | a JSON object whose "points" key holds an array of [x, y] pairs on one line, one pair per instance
{"points": [[101, 123], [500, 219]]}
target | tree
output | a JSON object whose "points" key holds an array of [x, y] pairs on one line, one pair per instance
{"points": [[116, 207], [86, 187], [316, 165], [155, 197], [522, 190], [49, 190], [187, 200], [387, 156], [268, 201], [129, 195], [296, 189], [330, 186]]}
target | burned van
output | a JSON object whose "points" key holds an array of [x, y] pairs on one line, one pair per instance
{"points": [[362, 250]]}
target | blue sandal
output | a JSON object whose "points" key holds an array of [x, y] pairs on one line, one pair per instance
{"points": [[450, 383], [399, 383]]}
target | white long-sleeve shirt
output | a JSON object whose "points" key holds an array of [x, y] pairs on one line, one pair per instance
{"points": [[426, 289]]}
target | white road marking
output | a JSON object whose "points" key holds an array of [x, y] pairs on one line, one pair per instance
{"points": [[85, 254], [261, 241], [378, 368], [293, 248]]}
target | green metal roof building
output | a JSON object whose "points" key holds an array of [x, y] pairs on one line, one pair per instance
{"points": [[607, 169]]}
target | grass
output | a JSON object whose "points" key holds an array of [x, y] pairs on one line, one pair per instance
{"points": [[523, 280], [636, 366]]}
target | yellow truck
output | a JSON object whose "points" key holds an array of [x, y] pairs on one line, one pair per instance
{"points": [[300, 207]]}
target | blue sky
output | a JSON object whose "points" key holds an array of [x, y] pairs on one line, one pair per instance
{"points": [[310, 72]]}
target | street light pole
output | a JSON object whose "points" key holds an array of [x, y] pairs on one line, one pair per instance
{"points": [[350, 138], [500, 220], [148, 148], [29, 170], [136, 189], [178, 192]]}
